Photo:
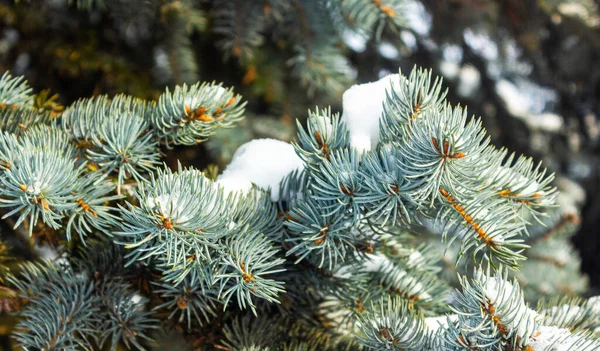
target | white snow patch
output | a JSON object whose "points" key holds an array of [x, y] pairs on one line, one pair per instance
{"points": [[46, 252], [217, 92], [377, 262], [234, 184], [555, 339], [435, 323], [325, 126], [343, 273], [499, 293], [524, 186], [363, 107], [136, 299], [567, 312], [36, 186], [594, 303], [168, 206], [264, 162], [415, 258]]}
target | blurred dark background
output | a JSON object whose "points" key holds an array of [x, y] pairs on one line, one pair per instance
{"points": [[531, 69]]}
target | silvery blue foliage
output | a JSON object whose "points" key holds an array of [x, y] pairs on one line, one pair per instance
{"points": [[68, 310], [15, 92], [338, 247], [190, 114]]}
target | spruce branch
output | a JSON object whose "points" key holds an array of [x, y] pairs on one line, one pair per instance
{"points": [[15, 93], [323, 135], [122, 316], [59, 311], [333, 249], [190, 299], [178, 219], [190, 114], [17, 121], [58, 170], [247, 263], [491, 314], [370, 16], [180, 19], [39, 183], [395, 326], [572, 313], [67, 310], [316, 62], [240, 25]]}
